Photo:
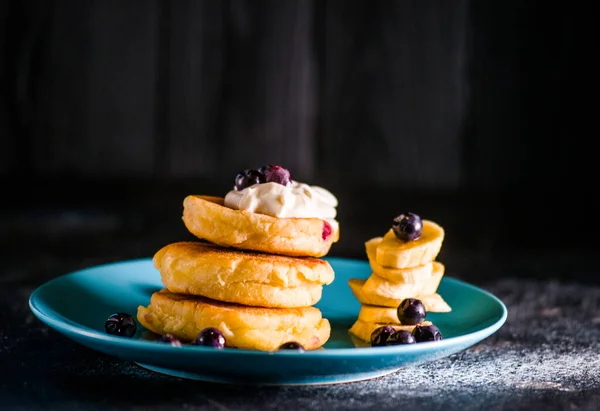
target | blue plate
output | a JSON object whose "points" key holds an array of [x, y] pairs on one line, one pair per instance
{"points": [[78, 304]]}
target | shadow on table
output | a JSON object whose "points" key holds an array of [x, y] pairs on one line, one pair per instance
{"points": [[145, 389]]}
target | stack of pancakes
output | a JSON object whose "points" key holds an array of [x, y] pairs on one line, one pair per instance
{"points": [[401, 269], [252, 276]]}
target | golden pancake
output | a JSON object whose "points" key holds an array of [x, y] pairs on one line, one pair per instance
{"points": [[378, 314], [207, 218], [408, 275], [254, 328], [363, 329], [432, 302], [396, 253], [252, 294], [375, 285], [199, 263]]}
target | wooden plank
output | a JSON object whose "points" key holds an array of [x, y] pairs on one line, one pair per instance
{"points": [[195, 66], [495, 144], [97, 90], [58, 118], [21, 40], [6, 137], [268, 107], [531, 84], [393, 92]]}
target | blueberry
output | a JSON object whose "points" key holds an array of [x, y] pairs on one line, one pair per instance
{"points": [[380, 336], [248, 178], [407, 226], [401, 337], [411, 311], [276, 174], [121, 324], [292, 346], [424, 333], [170, 339], [211, 337]]}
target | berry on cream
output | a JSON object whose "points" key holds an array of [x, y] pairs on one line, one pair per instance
{"points": [[277, 195]]}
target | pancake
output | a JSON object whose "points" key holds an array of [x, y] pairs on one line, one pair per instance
{"points": [[396, 253], [377, 314], [408, 275], [363, 329], [376, 285], [207, 218], [251, 328], [246, 293], [432, 302], [200, 263]]}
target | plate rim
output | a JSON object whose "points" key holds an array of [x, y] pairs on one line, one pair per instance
{"points": [[51, 318]]}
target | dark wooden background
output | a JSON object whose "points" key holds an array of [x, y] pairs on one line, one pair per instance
{"points": [[479, 114]]}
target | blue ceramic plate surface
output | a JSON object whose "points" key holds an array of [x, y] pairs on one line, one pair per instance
{"points": [[78, 304]]}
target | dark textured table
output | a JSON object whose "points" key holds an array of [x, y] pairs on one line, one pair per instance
{"points": [[546, 356]]}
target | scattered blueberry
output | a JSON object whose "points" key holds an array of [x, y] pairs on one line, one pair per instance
{"points": [[292, 346], [248, 178], [211, 337], [407, 226], [401, 337], [121, 324], [380, 336], [276, 174], [424, 333], [170, 339], [411, 311]]}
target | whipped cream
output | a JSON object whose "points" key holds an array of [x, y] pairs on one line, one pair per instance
{"points": [[296, 200]]}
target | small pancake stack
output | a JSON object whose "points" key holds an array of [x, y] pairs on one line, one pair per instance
{"points": [[253, 277], [401, 269]]}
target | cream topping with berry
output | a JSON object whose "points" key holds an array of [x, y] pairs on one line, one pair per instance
{"points": [[295, 200], [281, 197]]}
